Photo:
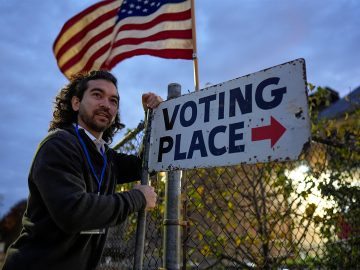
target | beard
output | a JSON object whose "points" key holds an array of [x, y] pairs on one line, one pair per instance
{"points": [[89, 119]]}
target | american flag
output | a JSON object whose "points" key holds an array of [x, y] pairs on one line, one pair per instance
{"points": [[110, 31]]}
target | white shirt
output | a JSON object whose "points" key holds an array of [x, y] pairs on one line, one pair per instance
{"points": [[99, 143]]}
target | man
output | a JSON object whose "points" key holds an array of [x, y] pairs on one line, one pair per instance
{"points": [[72, 180]]}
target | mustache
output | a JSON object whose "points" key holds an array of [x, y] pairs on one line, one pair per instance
{"points": [[104, 111]]}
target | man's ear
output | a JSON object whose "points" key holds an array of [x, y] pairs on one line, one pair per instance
{"points": [[75, 103]]}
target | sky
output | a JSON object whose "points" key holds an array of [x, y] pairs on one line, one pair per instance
{"points": [[234, 38]]}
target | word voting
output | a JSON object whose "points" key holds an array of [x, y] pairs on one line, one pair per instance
{"points": [[229, 104]]}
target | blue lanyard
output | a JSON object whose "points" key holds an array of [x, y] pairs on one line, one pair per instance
{"points": [[99, 181]]}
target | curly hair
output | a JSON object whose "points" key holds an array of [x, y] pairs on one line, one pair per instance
{"points": [[64, 115]]}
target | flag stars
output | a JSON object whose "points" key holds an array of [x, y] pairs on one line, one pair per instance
{"points": [[130, 8]]}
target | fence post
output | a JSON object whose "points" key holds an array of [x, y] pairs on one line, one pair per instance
{"points": [[141, 219], [172, 222]]}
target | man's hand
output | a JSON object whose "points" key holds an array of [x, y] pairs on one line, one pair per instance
{"points": [[150, 100], [150, 195]]}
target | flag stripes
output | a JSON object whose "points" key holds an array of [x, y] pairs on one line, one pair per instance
{"points": [[97, 39], [81, 20], [105, 26], [151, 48]]}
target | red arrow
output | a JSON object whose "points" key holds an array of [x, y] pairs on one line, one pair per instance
{"points": [[273, 132]]}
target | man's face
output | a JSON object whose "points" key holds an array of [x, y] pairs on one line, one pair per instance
{"points": [[98, 107]]}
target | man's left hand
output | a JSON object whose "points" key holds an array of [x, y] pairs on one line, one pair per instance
{"points": [[150, 100]]}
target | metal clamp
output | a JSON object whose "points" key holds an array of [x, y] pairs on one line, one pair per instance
{"points": [[178, 222]]}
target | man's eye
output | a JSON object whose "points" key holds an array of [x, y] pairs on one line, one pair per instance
{"points": [[97, 95], [114, 101]]}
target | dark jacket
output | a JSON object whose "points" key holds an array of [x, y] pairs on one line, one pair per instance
{"points": [[63, 201]]}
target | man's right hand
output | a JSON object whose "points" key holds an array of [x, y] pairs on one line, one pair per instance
{"points": [[149, 193]]}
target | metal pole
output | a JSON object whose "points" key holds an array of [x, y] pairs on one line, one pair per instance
{"points": [[195, 56], [172, 222], [141, 223]]}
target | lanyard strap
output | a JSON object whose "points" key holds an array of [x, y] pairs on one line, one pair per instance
{"points": [[99, 181]]}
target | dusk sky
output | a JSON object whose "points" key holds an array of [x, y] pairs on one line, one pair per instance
{"points": [[234, 38]]}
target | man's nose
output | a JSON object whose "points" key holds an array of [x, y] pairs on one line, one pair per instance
{"points": [[105, 104]]}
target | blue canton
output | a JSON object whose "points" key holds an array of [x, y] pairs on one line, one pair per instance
{"points": [[131, 8]]}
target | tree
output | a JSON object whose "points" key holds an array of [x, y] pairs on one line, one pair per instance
{"points": [[340, 226], [260, 217], [10, 224]]}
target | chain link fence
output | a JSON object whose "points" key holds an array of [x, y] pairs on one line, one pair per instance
{"points": [[290, 215], [120, 244]]}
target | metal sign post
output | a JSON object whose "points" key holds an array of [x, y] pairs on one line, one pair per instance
{"points": [[172, 222], [141, 220], [260, 117]]}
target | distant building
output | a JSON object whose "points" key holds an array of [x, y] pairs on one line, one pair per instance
{"points": [[338, 107]]}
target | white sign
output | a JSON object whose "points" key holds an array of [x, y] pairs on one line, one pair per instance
{"points": [[260, 117]]}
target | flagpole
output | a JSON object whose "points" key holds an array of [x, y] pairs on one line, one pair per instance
{"points": [[195, 58]]}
